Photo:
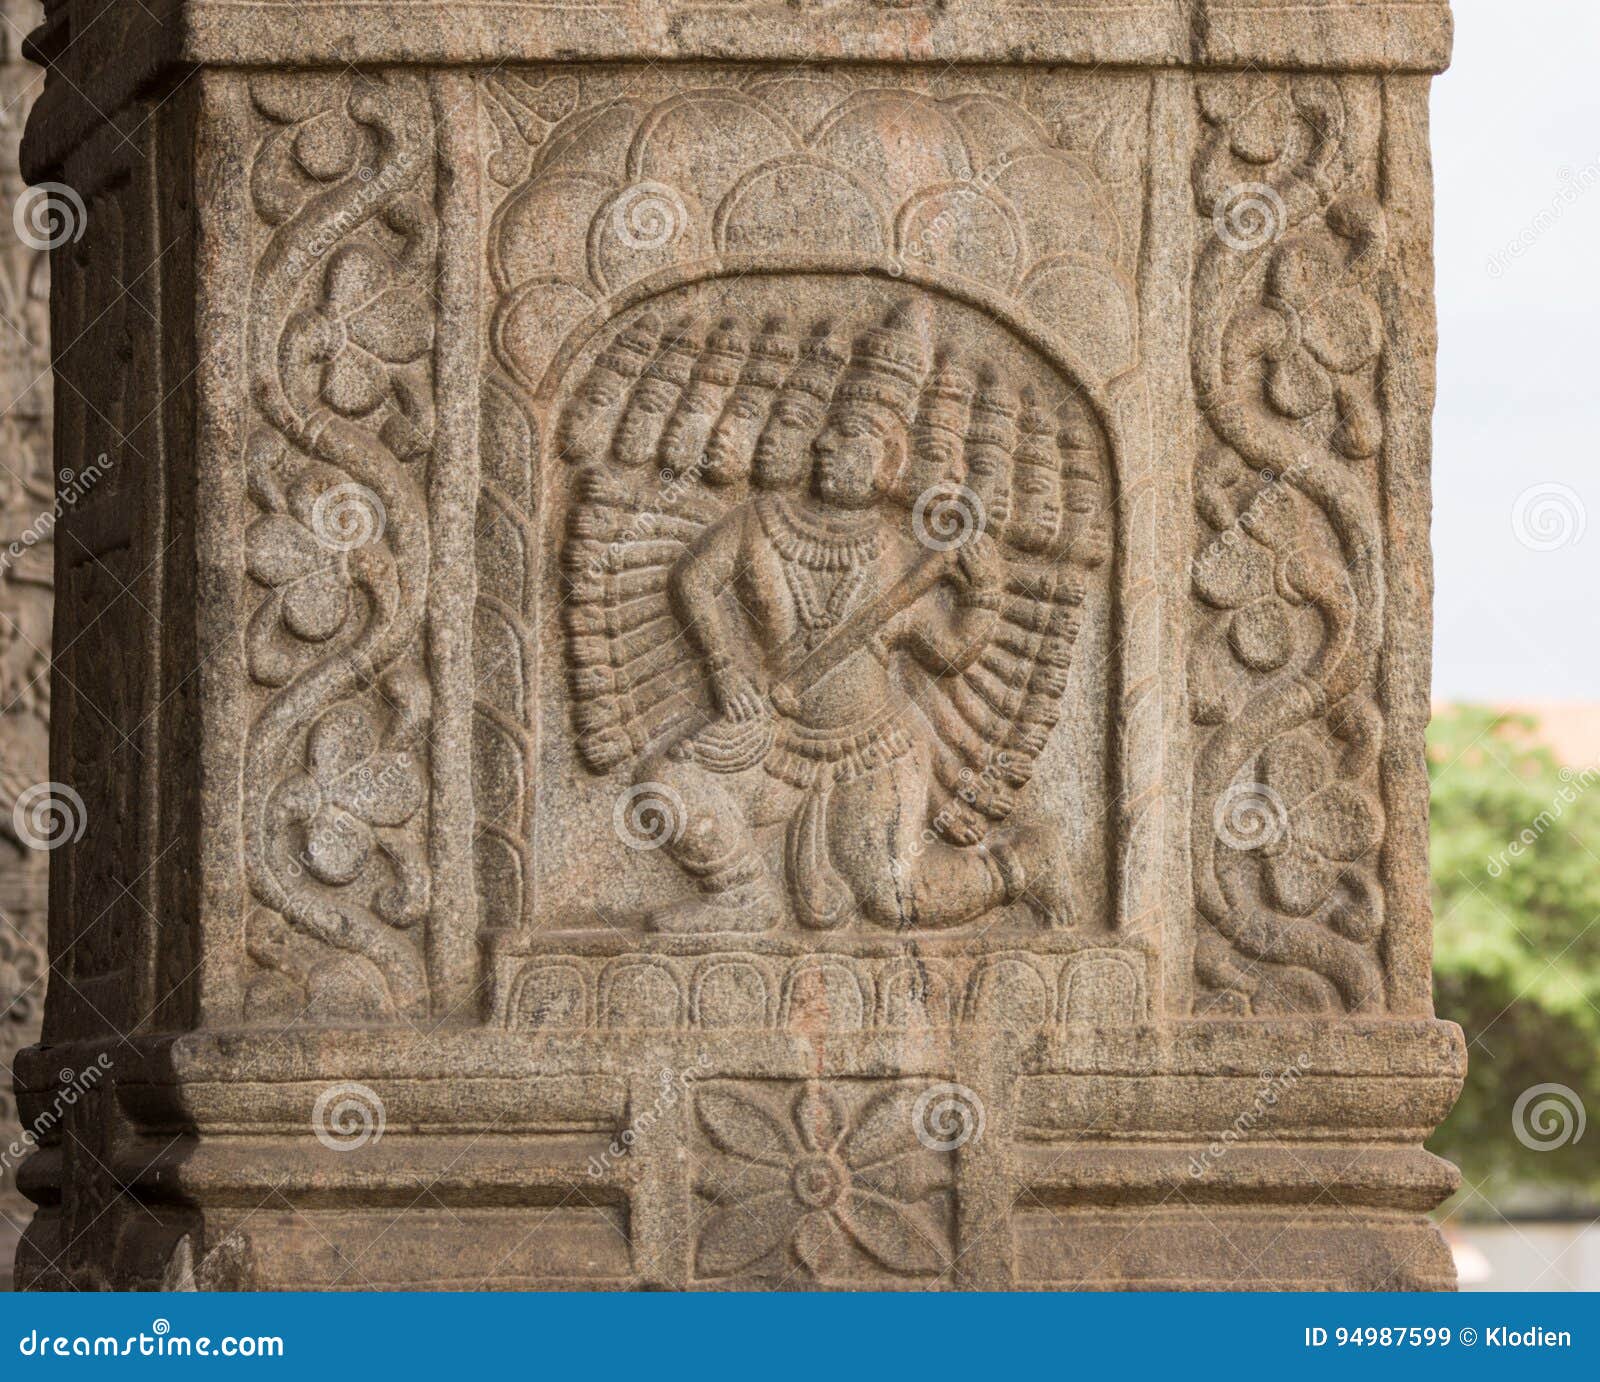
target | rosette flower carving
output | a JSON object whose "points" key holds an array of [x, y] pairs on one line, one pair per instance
{"points": [[1331, 332], [812, 1185], [363, 326], [310, 580], [1327, 824], [1252, 111], [350, 787]]}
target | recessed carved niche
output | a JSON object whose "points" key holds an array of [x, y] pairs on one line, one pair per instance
{"points": [[690, 605], [813, 639]]}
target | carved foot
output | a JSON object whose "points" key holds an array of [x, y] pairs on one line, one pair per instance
{"points": [[753, 907], [1047, 876]]}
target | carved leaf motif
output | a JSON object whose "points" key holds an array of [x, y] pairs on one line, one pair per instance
{"points": [[743, 1128], [737, 1237], [819, 1243], [907, 1178], [312, 581], [895, 1235], [884, 1129], [819, 1118]]}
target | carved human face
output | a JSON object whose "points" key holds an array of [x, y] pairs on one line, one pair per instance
{"points": [[1035, 521], [783, 454], [683, 447], [580, 436], [988, 478], [641, 424], [733, 440], [857, 455], [936, 458]]}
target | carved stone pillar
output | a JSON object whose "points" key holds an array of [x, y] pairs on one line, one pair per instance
{"points": [[744, 644], [26, 528]]}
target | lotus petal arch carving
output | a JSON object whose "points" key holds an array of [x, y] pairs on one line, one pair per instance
{"points": [[966, 192]]}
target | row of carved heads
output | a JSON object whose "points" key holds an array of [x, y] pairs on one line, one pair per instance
{"points": [[729, 405]]}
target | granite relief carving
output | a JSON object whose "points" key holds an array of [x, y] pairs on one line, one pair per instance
{"points": [[766, 645]]}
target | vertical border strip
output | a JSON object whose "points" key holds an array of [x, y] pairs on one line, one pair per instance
{"points": [[452, 949]]}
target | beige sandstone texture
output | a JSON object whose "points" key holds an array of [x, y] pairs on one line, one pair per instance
{"points": [[741, 645]]}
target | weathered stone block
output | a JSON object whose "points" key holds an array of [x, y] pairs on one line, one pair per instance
{"points": [[752, 644]]}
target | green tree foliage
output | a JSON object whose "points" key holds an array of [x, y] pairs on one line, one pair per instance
{"points": [[1516, 894]]}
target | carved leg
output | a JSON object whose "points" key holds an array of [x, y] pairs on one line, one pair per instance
{"points": [[717, 848], [900, 875], [903, 877]]}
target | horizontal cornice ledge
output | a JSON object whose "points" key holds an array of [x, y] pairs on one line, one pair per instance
{"points": [[107, 58]]}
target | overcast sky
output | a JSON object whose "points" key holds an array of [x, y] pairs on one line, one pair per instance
{"points": [[1516, 526]]}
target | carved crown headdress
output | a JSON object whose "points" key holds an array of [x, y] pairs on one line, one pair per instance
{"points": [[772, 354], [888, 362], [821, 359], [1036, 447], [723, 357]]}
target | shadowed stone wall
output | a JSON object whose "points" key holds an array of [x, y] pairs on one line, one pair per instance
{"points": [[26, 559], [741, 644]]}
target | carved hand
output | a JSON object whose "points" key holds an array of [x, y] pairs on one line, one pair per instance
{"points": [[737, 693], [978, 566]]}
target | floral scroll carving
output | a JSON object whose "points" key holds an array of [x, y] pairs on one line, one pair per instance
{"points": [[340, 359], [1288, 575]]}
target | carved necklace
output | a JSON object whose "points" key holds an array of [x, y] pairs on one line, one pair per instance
{"points": [[824, 566], [821, 544]]}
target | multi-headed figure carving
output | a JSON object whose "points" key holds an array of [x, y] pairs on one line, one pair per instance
{"points": [[875, 674], [730, 449]]}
